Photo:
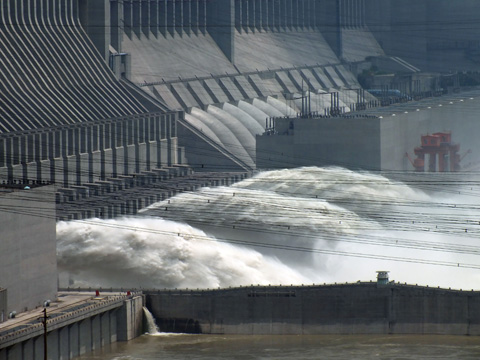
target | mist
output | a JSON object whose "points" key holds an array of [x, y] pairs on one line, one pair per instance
{"points": [[296, 226]]}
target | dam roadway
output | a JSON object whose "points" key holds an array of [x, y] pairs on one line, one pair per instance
{"points": [[358, 308]]}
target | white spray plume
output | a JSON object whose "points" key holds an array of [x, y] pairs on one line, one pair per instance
{"points": [[280, 215], [119, 253]]}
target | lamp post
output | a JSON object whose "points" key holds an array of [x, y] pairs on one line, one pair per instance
{"points": [[44, 322]]}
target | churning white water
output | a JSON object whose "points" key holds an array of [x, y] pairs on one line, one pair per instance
{"points": [[286, 227]]}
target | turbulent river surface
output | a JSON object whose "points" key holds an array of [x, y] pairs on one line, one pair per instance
{"points": [[295, 226], [302, 347]]}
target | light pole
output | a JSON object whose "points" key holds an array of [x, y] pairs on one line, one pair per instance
{"points": [[44, 322]]}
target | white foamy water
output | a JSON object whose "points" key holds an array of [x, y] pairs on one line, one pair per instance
{"points": [[152, 328], [285, 227], [157, 253]]}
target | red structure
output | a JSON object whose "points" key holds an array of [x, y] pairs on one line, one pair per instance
{"points": [[440, 150]]}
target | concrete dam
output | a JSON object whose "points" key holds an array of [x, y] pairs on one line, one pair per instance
{"points": [[360, 308], [110, 106], [116, 89]]}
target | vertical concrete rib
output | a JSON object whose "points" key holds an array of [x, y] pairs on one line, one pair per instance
{"points": [[354, 13], [252, 15], [271, 15], [288, 14], [137, 17], [307, 14], [238, 15], [313, 14], [178, 9], [145, 17], [3, 151], [162, 17], [194, 14], [258, 14], [295, 14], [187, 17], [153, 13], [358, 19], [116, 11], [302, 14], [363, 6], [244, 9], [351, 13], [127, 17], [264, 15], [276, 14], [221, 20], [15, 151], [346, 8], [202, 16], [171, 17]]}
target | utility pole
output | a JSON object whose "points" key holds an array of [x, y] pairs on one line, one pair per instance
{"points": [[44, 322]]}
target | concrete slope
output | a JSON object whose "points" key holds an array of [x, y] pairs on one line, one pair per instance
{"points": [[264, 51], [358, 44], [52, 72], [171, 57]]}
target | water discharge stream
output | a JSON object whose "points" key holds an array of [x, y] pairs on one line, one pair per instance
{"points": [[152, 328], [306, 225]]}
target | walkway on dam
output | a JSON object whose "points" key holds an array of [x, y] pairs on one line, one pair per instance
{"points": [[69, 307]]}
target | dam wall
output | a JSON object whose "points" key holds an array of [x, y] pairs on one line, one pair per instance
{"points": [[361, 308], [74, 330]]}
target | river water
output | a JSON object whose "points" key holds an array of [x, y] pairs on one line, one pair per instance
{"points": [[301, 347]]}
